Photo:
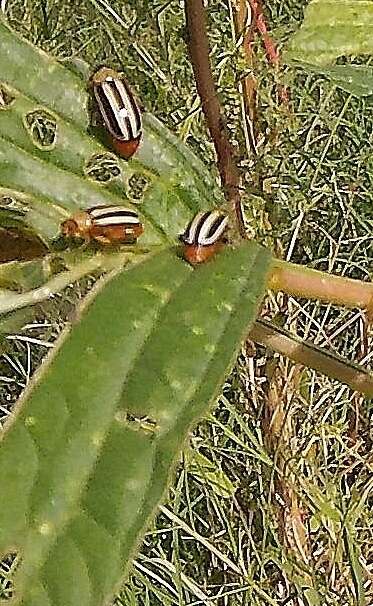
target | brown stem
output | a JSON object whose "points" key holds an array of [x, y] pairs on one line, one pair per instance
{"points": [[269, 45], [244, 26], [199, 53], [312, 356]]}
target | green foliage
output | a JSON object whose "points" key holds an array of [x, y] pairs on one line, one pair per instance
{"points": [[206, 472], [331, 29], [317, 163], [89, 454], [50, 166], [354, 79]]}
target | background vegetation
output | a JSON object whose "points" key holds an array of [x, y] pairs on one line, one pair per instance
{"points": [[276, 507]]}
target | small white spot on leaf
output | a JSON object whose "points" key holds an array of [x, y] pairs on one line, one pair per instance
{"points": [[176, 385], [164, 415], [209, 348], [161, 293], [133, 485], [97, 439], [121, 417], [45, 528], [223, 305]]}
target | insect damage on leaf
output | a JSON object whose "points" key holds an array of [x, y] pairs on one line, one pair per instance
{"points": [[6, 97], [13, 204], [103, 168], [138, 422], [8, 564], [137, 185], [42, 128]]}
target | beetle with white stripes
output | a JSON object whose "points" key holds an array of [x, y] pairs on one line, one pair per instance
{"points": [[119, 111], [204, 236], [106, 224]]}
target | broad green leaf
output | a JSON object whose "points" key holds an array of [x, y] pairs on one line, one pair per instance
{"points": [[355, 79], [53, 162], [89, 454], [332, 28]]}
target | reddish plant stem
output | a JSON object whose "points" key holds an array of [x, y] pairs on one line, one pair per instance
{"points": [[245, 27], [273, 55], [199, 51], [261, 26]]}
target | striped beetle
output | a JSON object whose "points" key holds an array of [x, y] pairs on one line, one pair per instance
{"points": [[106, 224], [203, 236], [119, 110]]}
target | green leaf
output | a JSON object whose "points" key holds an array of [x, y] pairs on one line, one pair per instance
{"points": [[354, 79], [353, 553], [332, 28], [324, 504], [209, 473], [51, 165], [312, 596], [89, 454]]}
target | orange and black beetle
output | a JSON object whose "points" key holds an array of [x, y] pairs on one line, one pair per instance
{"points": [[119, 110], [106, 224], [204, 236]]}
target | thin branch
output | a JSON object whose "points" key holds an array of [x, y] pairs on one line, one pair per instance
{"points": [[261, 26], [272, 52], [243, 29], [312, 356], [199, 53], [298, 280], [10, 301]]}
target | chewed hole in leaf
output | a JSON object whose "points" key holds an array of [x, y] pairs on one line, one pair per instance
{"points": [[103, 168], [12, 204], [42, 128], [138, 422], [137, 185], [8, 565], [6, 97]]}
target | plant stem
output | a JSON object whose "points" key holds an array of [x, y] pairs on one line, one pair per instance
{"points": [[10, 301], [301, 281], [199, 53], [308, 354]]}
